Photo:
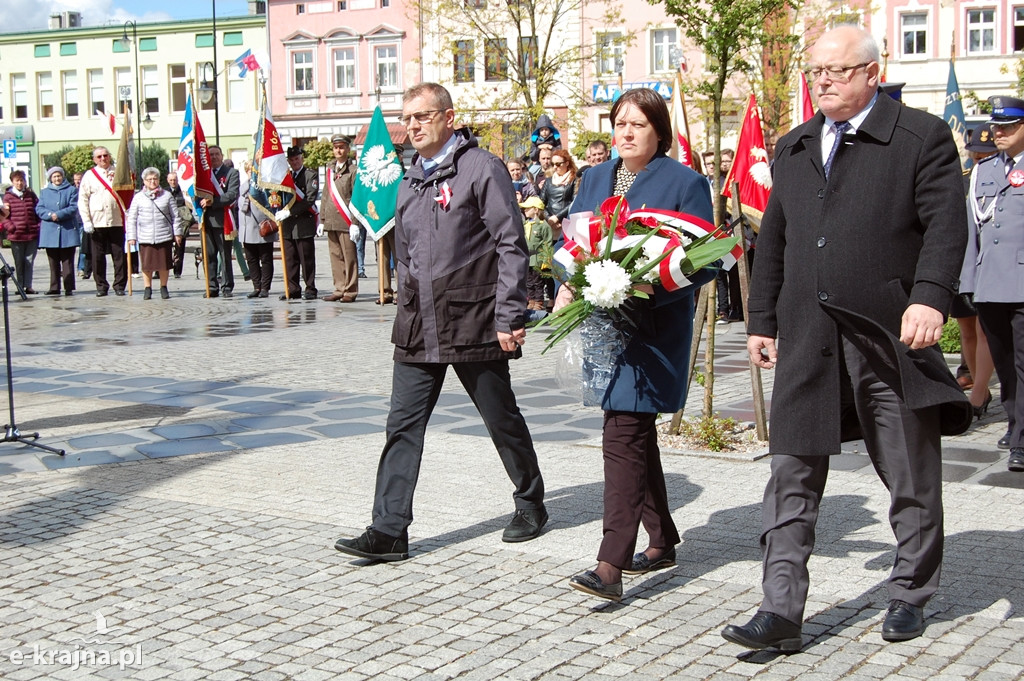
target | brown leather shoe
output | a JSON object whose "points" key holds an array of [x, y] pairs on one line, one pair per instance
{"points": [[348, 298], [333, 297]]}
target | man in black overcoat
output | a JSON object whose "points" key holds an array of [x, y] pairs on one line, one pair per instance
{"points": [[298, 227], [857, 262]]}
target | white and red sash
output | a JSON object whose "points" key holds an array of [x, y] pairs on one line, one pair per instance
{"points": [[106, 185], [337, 200], [229, 218]]}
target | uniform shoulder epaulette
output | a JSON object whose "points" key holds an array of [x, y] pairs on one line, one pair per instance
{"points": [[987, 159]]}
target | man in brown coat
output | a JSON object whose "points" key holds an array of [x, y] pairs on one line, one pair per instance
{"points": [[857, 262], [337, 222]]}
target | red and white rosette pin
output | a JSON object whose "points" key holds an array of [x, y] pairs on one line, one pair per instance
{"points": [[1016, 177]]}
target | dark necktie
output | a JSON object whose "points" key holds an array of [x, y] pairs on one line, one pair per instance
{"points": [[841, 128], [1009, 165]]}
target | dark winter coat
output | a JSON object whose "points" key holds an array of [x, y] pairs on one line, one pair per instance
{"points": [[63, 232], [557, 198], [461, 266], [651, 374], [23, 223], [884, 231]]}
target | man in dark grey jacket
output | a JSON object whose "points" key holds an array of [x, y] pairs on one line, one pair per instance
{"points": [[461, 258]]}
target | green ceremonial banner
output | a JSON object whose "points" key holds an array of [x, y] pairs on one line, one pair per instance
{"points": [[377, 179]]}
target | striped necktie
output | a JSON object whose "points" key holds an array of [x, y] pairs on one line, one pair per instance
{"points": [[841, 128]]}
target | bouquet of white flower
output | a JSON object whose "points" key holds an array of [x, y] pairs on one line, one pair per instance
{"points": [[608, 257]]}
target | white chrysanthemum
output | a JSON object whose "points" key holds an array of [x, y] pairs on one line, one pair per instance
{"points": [[653, 275], [652, 249], [608, 284]]}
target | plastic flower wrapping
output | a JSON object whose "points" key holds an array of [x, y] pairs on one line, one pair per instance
{"points": [[607, 256]]}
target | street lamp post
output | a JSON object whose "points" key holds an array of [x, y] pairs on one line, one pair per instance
{"points": [[138, 93], [208, 93]]}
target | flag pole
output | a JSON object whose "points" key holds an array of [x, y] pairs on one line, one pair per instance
{"points": [[280, 227], [127, 248], [202, 223], [382, 266]]}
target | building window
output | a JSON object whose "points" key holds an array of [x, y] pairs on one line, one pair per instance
{"points": [[44, 81], [118, 45], [663, 40], [342, 5], [320, 7], [476, 4], [204, 40], [609, 54], [42, 50], [68, 49], [914, 27], [300, 8], [124, 88], [19, 89], [97, 97], [147, 44], [527, 56], [150, 89], [237, 100], [843, 18], [386, 62], [495, 59], [385, 3], [206, 75], [1018, 29], [232, 38], [465, 69], [179, 89], [981, 31], [302, 72], [70, 84], [344, 68]]}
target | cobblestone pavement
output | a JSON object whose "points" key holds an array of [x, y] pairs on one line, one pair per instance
{"points": [[240, 439]]}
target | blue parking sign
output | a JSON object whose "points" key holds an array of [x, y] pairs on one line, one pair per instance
{"points": [[10, 149]]}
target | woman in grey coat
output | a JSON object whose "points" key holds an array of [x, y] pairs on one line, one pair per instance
{"points": [[152, 222], [259, 250]]}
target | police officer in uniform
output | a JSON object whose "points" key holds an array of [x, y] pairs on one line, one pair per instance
{"points": [[995, 208]]}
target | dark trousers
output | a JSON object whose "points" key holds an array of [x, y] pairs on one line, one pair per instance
{"points": [[1003, 324], [535, 286], [414, 392], [905, 450], [300, 253], [634, 488], [178, 255], [108, 241], [219, 272], [86, 251], [62, 268], [260, 258]]}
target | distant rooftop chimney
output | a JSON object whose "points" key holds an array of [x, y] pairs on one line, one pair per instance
{"points": [[60, 20]]}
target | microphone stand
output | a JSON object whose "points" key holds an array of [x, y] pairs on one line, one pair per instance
{"points": [[12, 434]]}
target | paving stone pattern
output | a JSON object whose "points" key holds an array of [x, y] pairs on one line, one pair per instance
{"points": [[239, 438]]}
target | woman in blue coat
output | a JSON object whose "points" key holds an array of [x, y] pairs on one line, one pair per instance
{"points": [[650, 375], [58, 230]]}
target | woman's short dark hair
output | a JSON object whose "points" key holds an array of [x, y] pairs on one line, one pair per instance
{"points": [[654, 108], [16, 174]]}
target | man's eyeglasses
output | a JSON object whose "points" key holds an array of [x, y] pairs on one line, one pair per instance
{"points": [[838, 74], [102, 156], [421, 117]]}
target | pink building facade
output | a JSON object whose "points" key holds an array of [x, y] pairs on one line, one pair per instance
{"points": [[332, 59]]}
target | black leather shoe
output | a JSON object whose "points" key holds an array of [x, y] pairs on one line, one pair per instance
{"points": [[212, 294], [309, 295], [903, 622], [226, 293], [526, 524], [1004, 441], [264, 294], [293, 296], [118, 292], [766, 630], [1016, 462], [375, 546], [642, 564], [100, 294], [589, 583], [254, 294]]}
